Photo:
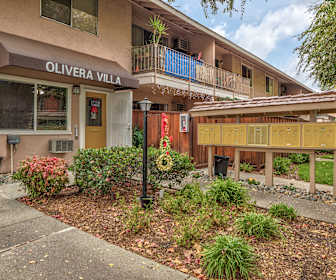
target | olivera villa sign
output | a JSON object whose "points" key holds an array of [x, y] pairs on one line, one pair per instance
{"points": [[79, 72]]}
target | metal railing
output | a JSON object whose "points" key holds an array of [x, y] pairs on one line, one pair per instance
{"points": [[161, 59]]}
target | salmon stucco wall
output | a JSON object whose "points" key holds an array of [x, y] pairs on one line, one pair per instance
{"points": [[113, 42], [31, 145]]}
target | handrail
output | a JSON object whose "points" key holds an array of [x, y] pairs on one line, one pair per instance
{"points": [[161, 59]]}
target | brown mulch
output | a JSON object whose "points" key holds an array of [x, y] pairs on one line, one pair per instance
{"points": [[306, 251]]}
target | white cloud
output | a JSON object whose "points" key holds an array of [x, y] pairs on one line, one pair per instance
{"points": [[291, 69], [221, 29], [262, 38]]}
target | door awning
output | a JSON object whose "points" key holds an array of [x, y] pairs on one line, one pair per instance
{"points": [[29, 54]]}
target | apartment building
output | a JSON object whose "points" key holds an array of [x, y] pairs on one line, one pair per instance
{"points": [[72, 70]]}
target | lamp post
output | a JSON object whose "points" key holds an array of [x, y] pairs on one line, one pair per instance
{"points": [[145, 106]]}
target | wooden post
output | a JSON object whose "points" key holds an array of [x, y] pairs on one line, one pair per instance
{"points": [[210, 162], [312, 116], [334, 189], [237, 165], [312, 187], [269, 169]]}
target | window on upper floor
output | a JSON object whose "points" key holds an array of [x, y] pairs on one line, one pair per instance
{"points": [[141, 37], [269, 85], [247, 73], [81, 14]]}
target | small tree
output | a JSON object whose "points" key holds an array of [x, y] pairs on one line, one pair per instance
{"points": [[159, 28]]}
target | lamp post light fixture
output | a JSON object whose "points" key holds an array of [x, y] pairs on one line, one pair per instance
{"points": [[145, 200]]}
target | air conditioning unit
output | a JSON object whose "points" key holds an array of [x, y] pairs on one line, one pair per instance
{"points": [[182, 45], [60, 146]]}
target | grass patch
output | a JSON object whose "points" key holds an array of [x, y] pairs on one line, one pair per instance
{"points": [[229, 257], [323, 175], [283, 211], [327, 156], [258, 225]]}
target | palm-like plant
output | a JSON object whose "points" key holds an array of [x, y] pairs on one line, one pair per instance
{"points": [[159, 28]]}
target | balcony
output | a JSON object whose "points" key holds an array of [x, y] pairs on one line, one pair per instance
{"points": [[160, 61]]}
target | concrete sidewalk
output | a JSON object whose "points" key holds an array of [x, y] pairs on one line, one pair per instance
{"points": [[35, 246]]}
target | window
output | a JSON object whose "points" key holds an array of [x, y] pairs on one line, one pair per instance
{"points": [[51, 108], [247, 73], [141, 37], [17, 105], [94, 109], [82, 14], [30, 106], [269, 85]]}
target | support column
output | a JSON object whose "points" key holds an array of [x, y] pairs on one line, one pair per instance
{"points": [[334, 189], [210, 162], [237, 165], [269, 169], [312, 158]]}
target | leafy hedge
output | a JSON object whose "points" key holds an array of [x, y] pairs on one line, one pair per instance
{"points": [[97, 170], [42, 176]]}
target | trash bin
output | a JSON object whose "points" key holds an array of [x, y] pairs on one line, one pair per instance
{"points": [[221, 165]]}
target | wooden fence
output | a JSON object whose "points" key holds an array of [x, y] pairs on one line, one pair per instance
{"points": [[187, 142]]}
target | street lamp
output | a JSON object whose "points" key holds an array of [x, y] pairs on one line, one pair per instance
{"points": [[145, 106]]}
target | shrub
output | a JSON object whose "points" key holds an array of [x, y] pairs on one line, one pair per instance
{"points": [[137, 219], [189, 230], [282, 211], [281, 165], [182, 166], [97, 170], [137, 137], [258, 225], [299, 158], [45, 176], [229, 258], [246, 167], [192, 192], [253, 181], [228, 192]]}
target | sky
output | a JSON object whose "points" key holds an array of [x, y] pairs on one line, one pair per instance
{"points": [[268, 29]]}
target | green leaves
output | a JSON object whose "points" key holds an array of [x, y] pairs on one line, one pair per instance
{"points": [[282, 211], [317, 52], [159, 28], [281, 165], [229, 258], [258, 225], [228, 192], [97, 170]]}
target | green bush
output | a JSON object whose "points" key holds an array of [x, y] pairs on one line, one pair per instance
{"points": [[228, 192], [246, 167], [192, 192], [182, 166], [229, 258], [136, 218], [299, 158], [137, 137], [45, 176], [97, 170], [281, 165], [258, 225], [188, 231], [282, 211]]}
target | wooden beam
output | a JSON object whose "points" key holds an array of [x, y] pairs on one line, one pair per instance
{"points": [[210, 162], [269, 169], [237, 164], [312, 158], [334, 189], [312, 116]]}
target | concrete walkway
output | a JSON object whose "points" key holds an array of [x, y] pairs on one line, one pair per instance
{"points": [[306, 208], [35, 246]]}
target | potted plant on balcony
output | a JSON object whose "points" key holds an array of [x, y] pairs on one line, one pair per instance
{"points": [[159, 29]]}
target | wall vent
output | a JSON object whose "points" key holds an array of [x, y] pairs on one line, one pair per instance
{"points": [[58, 146]]}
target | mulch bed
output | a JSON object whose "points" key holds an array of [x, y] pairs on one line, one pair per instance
{"points": [[306, 251]]}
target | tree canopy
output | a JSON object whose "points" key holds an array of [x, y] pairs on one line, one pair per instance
{"points": [[317, 52]]}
